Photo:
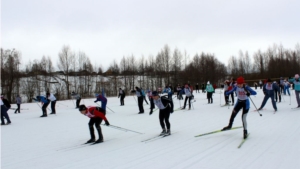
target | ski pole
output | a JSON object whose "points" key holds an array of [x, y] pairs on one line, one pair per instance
{"points": [[120, 128], [62, 104], [220, 96], [110, 109], [255, 106]]}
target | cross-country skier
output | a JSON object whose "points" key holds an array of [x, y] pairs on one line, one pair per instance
{"points": [[102, 99], [139, 95], [96, 115], [19, 102], [168, 91], [45, 103], [277, 93], [5, 106], [52, 99], [296, 85], [165, 108], [77, 97], [122, 95], [149, 94], [188, 96], [243, 92], [268, 90], [210, 90]]}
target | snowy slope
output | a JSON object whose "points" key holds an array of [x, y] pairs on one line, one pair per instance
{"points": [[53, 142]]}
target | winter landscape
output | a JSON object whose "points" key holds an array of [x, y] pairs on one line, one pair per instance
{"points": [[31, 142]]}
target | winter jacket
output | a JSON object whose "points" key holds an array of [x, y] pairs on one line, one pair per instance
{"points": [[209, 88], [94, 112], [19, 100], [241, 94], [270, 90], [167, 103], [102, 99], [52, 97], [121, 93], [42, 99], [297, 84]]}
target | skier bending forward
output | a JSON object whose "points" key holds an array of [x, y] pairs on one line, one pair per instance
{"points": [[96, 114]]}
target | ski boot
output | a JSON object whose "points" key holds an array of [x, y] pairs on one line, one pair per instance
{"points": [[99, 141], [91, 140], [44, 115], [168, 132], [245, 134], [163, 132], [226, 128]]}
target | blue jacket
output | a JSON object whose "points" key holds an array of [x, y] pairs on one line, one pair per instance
{"points": [[42, 99], [296, 84], [247, 88], [270, 92], [102, 99]]}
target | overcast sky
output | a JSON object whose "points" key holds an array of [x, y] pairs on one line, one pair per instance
{"points": [[110, 29]]}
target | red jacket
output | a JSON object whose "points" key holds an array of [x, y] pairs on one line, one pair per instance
{"points": [[92, 112]]}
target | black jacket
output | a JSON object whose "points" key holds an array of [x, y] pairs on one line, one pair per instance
{"points": [[167, 103]]}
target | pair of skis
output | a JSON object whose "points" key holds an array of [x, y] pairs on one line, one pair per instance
{"points": [[218, 131], [79, 146], [156, 137]]}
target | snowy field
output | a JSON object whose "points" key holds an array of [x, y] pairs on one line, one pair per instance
{"points": [[31, 142]]}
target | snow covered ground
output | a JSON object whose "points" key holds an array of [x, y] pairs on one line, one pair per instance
{"points": [[54, 142]]}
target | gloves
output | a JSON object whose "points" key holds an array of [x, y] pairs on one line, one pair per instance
{"points": [[95, 101], [171, 111], [150, 112], [106, 123], [248, 94]]}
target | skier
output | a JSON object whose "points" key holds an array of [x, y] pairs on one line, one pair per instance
{"points": [[96, 115], [260, 84], [122, 95], [277, 93], [188, 95], [19, 102], [232, 84], [226, 87], [77, 97], [149, 94], [168, 91], [268, 90], [209, 90], [197, 88], [5, 106], [102, 99], [52, 99], [296, 85], [144, 95], [45, 103], [243, 92], [179, 95], [165, 108], [139, 95]]}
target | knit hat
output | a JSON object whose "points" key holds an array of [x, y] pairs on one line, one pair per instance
{"points": [[296, 76], [240, 80], [81, 107], [208, 82], [154, 93]]}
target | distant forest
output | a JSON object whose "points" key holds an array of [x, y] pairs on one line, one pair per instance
{"points": [[75, 72]]}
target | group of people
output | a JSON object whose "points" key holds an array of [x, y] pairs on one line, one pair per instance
{"points": [[165, 103]]}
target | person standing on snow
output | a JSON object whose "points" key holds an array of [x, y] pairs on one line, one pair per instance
{"points": [[277, 93], [296, 85], [168, 91], [19, 102], [243, 92], [210, 90], [96, 115], [52, 98], [102, 99], [188, 96], [139, 95], [165, 107], [122, 95], [77, 97], [5, 106], [45, 102], [268, 90]]}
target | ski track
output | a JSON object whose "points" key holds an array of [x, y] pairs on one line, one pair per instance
{"points": [[55, 141]]}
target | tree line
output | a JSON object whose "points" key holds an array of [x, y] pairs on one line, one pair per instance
{"points": [[75, 72]]}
